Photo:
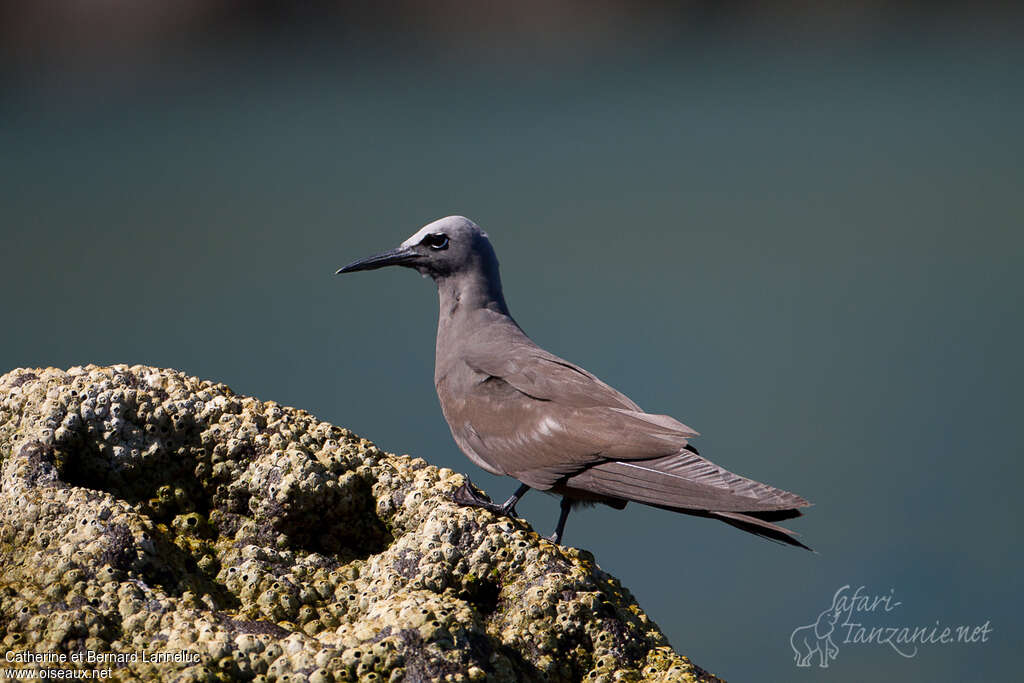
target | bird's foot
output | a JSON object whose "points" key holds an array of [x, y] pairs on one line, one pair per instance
{"points": [[466, 495]]}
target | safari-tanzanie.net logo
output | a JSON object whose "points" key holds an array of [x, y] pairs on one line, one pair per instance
{"points": [[857, 617]]}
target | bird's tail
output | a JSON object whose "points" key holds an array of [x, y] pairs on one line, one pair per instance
{"points": [[753, 523], [685, 482], [757, 523]]}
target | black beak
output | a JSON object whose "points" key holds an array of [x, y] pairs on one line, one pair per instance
{"points": [[402, 256]]}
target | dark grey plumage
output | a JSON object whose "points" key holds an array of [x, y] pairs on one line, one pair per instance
{"points": [[517, 410]]}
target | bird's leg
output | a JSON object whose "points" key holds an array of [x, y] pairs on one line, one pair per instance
{"points": [[465, 495], [508, 508], [560, 527]]}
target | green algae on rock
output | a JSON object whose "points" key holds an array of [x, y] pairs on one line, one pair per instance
{"points": [[177, 531]]}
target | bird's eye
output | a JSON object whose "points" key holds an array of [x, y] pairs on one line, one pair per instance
{"points": [[437, 241]]}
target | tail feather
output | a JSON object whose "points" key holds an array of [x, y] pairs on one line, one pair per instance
{"points": [[760, 527], [688, 483], [684, 480]]}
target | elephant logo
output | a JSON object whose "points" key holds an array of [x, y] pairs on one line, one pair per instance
{"points": [[816, 638]]}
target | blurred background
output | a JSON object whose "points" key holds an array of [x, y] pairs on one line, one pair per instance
{"points": [[796, 227]]}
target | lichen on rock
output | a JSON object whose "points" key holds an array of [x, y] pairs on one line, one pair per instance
{"points": [[187, 533]]}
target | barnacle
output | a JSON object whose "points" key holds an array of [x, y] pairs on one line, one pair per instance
{"points": [[151, 513]]}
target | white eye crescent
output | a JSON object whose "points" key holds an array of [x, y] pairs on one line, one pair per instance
{"points": [[436, 241]]}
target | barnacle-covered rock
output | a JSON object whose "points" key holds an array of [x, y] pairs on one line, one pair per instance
{"points": [[165, 528]]}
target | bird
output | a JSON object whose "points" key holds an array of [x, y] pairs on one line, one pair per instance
{"points": [[517, 410]]}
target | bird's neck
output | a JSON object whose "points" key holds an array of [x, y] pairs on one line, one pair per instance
{"points": [[466, 303], [461, 296]]}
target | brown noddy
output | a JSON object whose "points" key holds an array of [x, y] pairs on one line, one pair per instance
{"points": [[517, 410]]}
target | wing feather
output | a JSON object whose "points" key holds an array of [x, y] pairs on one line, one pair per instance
{"points": [[540, 442], [685, 481], [538, 373]]}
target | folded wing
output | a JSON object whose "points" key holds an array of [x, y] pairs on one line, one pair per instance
{"points": [[553, 425]]}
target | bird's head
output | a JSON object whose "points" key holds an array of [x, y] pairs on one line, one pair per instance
{"points": [[447, 247]]}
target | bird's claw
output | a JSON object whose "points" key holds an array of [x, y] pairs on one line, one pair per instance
{"points": [[465, 495]]}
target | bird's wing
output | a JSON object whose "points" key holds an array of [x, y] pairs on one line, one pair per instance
{"points": [[540, 441], [533, 434], [547, 420], [540, 374], [538, 417]]}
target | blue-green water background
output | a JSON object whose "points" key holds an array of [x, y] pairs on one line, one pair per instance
{"points": [[811, 253]]}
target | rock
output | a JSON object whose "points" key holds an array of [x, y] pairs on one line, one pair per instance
{"points": [[168, 529]]}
